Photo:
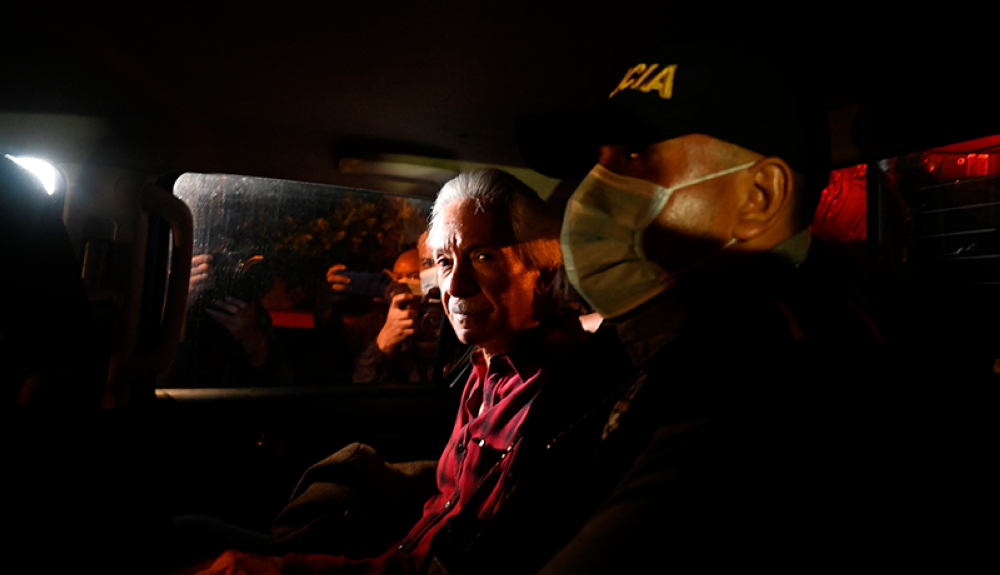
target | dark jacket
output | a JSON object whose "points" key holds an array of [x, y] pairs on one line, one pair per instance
{"points": [[738, 425]]}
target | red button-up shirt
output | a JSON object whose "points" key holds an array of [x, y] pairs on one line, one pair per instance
{"points": [[494, 404]]}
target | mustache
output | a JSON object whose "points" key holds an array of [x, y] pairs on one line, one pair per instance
{"points": [[469, 306]]}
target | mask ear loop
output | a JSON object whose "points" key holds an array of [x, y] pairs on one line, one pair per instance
{"points": [[663, 195]]}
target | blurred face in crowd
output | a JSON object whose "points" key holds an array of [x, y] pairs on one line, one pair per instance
{"points": [[407, 266], [425, 253], [429, 282], [487, 290]]}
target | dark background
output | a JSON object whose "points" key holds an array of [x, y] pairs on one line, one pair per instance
{"points": [[287, 89]]}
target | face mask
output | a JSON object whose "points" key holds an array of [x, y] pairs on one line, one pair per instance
{"points": [[429, 282], [602, 239], [413, 284]]}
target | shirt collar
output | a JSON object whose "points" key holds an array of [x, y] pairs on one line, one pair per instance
{"points": [[537, 346], [794, 249]]}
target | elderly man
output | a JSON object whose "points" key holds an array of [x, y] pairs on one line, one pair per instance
{"points": [[497, 253], [704, 425]]}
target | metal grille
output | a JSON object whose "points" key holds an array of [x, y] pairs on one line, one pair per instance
{"points": [[949, 203]]}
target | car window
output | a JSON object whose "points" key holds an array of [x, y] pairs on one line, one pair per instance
{"points": [[269, 246]]}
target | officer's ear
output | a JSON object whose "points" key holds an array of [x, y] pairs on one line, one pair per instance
{"points": [[764, 200]]}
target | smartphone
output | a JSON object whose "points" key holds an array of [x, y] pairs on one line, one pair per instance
{"points": [[367, 285]]}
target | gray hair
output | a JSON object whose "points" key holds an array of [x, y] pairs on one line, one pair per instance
{"points": [[516, 208]]}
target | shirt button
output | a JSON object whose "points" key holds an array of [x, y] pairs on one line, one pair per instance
{"points": [[400, 548], [447, 504]]}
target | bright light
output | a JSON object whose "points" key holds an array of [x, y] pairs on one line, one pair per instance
{"points": [[43, 170]]}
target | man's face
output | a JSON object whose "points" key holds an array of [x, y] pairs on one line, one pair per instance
{"points": [[429, 282], [698, 219], [407, 266], [425, 253], [487, 291]]}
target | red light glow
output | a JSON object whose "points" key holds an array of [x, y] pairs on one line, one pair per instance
{"points": [[843, 210]]}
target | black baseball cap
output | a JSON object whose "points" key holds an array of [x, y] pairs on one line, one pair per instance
{"points": [[722, 91]]}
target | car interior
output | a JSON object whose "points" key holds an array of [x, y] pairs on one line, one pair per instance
{"points": [[285, 139]]}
